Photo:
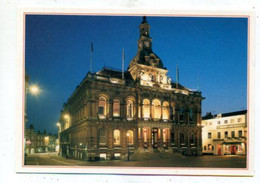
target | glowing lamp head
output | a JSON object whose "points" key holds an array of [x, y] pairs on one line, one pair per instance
{"points": [[66, 116], [34, 89]]}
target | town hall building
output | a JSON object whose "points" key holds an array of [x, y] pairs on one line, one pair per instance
{"points": [[140, 110]]}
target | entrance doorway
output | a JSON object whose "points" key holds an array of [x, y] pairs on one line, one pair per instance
{"points": [[155, 137], [219, 149], [233, 150]]}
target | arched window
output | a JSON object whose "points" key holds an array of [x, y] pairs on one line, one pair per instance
{"points": [[182, 139], [192, 139], [116, 137], [116, 108], [146, 108], [130, 109], [156, 109], [102, 107], [102, 136], [130, 137], [166, 111]]}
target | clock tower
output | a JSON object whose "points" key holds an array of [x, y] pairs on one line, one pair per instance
{"points": [[146, 66]]}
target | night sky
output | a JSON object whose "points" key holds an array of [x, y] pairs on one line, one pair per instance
{"points": [[211, 54]]}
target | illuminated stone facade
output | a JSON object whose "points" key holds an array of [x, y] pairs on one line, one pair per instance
{"points": [[39, 142], [140, 110], [225, 134]]}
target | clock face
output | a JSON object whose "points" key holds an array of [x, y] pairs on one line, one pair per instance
{"points": [[146, 43]]}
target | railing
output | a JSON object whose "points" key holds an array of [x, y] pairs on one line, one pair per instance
{"points": [[231, 126]]}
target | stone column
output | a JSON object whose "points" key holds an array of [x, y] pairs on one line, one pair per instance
{"points": [[110, 142], [188, 140], [94, 109], [110, 116], [161, 139], [178, 139], [141, 111], [123, 111], [151, 108], [161, 117], [140, 138], [149, 130], [89, 109]]}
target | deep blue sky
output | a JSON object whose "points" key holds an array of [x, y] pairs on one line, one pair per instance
{"points": [[210, 52]]}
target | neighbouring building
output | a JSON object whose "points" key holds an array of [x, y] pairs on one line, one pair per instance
{"points": [[140, 110], [225, 134], [39, 142]]}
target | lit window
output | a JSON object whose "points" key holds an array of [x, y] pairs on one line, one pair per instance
{"points": [[165, 135], [130, 109], [156, 109], [130, 137], [116, 108], [116, 137], [210, 123], [146, 108], [166, 111], [232, 121], [209, 147], [102, 107], [145, 134], [239, 119]]}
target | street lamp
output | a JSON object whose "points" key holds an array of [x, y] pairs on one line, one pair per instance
{"points": [[34, 89], [127, 142]]}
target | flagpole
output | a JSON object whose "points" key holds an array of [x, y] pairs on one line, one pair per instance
{"points": [[91, 57], [123, 60], [177, 76], [198, 79]]}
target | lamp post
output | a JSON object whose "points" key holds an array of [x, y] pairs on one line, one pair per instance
{"points": [[127, 143], [59, 126], [33, 90]]}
